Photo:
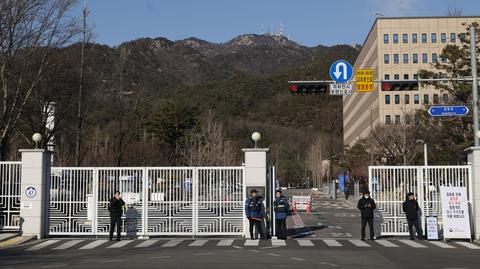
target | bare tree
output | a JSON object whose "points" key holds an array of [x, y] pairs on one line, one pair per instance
{"points": [[30, 31]]}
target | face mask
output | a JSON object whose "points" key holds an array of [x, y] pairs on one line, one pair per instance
{"points": [[367, 196]]}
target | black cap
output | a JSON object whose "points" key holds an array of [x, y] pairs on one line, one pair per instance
{"points": [[366, 192], [253, 191]]}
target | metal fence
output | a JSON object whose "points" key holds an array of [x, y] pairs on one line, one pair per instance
{"points": [[159, 200], [390, 184]]}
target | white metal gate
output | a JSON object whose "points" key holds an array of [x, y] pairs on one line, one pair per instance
{"points": [[10, 195], [390, 184]]}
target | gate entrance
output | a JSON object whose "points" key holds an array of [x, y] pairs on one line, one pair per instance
{"points": [[389, 185]]}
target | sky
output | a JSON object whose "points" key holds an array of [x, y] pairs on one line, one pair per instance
{"points": [[308, 22]]}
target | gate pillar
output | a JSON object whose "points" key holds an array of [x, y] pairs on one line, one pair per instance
{"points": [[35, 192], [474, 161]]}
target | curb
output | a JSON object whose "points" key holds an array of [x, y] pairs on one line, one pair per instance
{"points": [[8, 237], [16, 241]]}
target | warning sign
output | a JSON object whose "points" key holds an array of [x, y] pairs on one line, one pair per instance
{"points": [[364, 80]]}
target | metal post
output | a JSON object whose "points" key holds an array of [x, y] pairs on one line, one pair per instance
{"points": [[425, 158], [473, 60]]}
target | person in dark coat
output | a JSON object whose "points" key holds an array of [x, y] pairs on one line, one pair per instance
{"points": [[411, 209], [116, 210], [254, 210], [282, 209], [346, 190], [366, 205]]}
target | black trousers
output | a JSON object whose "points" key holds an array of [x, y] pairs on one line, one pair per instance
{"points": [[258, 227], [115, 220], [281, 228], [411, 223], [370, 225]]}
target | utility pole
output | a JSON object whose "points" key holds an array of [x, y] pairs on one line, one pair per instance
{"points": [[473, 60]]}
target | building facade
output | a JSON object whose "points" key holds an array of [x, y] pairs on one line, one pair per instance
{"points": [[396, 48]]}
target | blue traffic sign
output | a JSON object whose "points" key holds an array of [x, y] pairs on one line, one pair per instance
{"points": [[445, 111], [341, 71]]}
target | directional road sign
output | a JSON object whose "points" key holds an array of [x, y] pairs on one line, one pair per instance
{"points": [[445, 111], [341, 71]]}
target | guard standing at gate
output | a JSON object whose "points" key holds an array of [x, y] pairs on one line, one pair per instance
{"points": [[366, 205], [254, 210], [281, 208], [412, 209], [116, 210]]}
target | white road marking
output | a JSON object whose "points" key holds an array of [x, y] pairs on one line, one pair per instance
{"points": [[68, 244], [440, 244], [273, 254], [225, 243], [172, 243], [386, 243], [305, 243], [198, 243], [412, 244], [468, 245], [251, 243], [120, 244], [297, 259], [42, 245], [146, 243], [276, 242], [94, 244], [359, 243], [332, 243]]}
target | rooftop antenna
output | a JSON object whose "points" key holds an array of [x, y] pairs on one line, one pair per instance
{"points": [[280, 33], [378, 15]]}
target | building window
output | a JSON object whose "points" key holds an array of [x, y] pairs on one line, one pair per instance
{"points": [[416, 99], [462, 36], [424, 58], [434, 58], [424, 38], [386, 58], [434, 38], [395, 58], [415, 76], [385, 39], [414, 38], [415, 58], [406, 99], [435, 99], [405, 58], [443, 37], [388, 120], [387, 76], [426, 100], [408, 119], [397, 99], [395, 38], [453, 37], [405, 77], [444, 59], [397, 119], [396, 76], [445, 98], [387, 99], [405, 38]]}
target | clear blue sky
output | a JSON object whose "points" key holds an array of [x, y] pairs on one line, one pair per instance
{"points": [[308, 22]]}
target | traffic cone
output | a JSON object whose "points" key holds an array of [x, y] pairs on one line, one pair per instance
{"points": [[308, 208], [294, 207]]}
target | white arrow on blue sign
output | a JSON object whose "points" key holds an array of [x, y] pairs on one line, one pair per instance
{"points": [[446, 111], [341, 71]]}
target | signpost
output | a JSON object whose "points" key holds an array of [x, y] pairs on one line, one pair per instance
{"points": [[341, 71], [448, 111], [456, 218], [364, 80], [341, 89], [432, 228]]}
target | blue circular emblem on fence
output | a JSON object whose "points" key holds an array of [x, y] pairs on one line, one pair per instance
{"points": [[31, 192]]}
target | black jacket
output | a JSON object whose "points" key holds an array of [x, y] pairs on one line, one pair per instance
{"points": [[411, 207], [115, 206], [367, 212]]}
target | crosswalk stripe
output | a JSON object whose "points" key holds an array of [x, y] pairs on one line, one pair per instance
{"points": [[412, 243], [198, 243], [120, 244], [276, 242], [68, 244], [172, 243], [42, 245], [94, 244], [251, 243], [305, 243], [146, 243], [225, 243], [359, 243], [332, 243], [386, 243], [441, 244], [468, 245]]}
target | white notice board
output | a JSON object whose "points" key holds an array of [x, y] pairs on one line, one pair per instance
{"points": [[456, 218]]}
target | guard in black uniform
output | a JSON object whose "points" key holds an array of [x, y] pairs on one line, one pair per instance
{"points": [[366, 205], [116, 210]]}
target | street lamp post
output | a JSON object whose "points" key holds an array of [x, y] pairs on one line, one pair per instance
{"points": [[425, 156], [473, 60]]}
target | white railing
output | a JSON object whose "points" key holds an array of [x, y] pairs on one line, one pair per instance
{"points": [[10, 195]]}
